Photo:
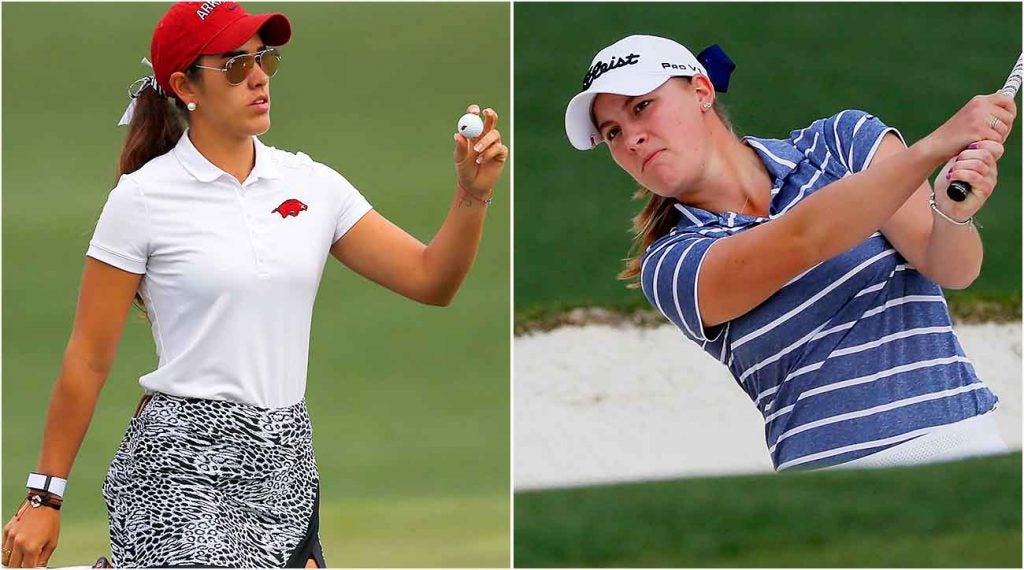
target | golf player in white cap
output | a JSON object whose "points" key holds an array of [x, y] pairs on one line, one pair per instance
{"points": [[811, 266], [223, 240]]}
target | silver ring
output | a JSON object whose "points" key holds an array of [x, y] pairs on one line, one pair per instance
{"points": [[995, 121]]}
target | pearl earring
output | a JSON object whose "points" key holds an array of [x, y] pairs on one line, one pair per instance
{"points": [[191, 106]]}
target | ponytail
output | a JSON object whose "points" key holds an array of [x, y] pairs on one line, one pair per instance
{"points": [[655, 220], [156, 126]]}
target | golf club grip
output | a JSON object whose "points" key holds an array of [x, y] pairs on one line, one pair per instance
{"points": [[958, 189]]}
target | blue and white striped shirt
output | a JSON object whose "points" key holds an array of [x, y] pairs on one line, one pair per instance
{"points": [[855, 355]]}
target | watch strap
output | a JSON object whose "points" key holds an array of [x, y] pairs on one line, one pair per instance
{"points": [[48, 483]]}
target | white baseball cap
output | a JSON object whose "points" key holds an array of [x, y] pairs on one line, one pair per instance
{"points": [[631, 66]]}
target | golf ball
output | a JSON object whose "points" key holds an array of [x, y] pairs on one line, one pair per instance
{"points": [[470, 126]]}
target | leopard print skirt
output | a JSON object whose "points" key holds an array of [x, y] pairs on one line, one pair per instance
{"points": [[212, 483]]}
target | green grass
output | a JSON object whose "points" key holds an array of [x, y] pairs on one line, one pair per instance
{"points": [[963, 514], [410, 404], [795, 63]]}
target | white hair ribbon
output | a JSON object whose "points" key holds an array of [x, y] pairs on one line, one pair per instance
{"points": [[135, 89]]}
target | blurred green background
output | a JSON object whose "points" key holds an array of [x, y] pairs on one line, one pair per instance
{"points": [[410, 404], [911, 64]]}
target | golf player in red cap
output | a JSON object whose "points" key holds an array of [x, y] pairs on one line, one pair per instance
{"points": [[222, 241]]}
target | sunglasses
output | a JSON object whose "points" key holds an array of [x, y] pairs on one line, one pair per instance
{"points": [[238, 67]]}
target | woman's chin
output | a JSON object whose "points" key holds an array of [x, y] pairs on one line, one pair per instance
{"points": [[661, 188], [262, 125]]}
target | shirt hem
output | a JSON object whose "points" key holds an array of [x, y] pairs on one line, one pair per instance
{"points": [[116, 259]]}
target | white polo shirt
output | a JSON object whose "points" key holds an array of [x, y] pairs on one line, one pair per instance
{"points": [[230, 271]]}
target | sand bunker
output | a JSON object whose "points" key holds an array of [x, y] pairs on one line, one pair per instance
{"points": [[585, 413]]}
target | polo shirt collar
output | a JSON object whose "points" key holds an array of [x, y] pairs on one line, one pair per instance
{"points": [[694, 216], [205, 171], [779, 157], [265, 166]]}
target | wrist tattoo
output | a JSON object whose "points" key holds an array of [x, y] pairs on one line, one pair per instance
{"points": [[466, 198]]}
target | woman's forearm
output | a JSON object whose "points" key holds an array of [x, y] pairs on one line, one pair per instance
{"points": [[449, 256], [478, 164], [860, 204], [954, 253], [72, 405]]}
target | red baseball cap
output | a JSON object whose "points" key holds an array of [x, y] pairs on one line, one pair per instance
{"points": [[191, 29]]}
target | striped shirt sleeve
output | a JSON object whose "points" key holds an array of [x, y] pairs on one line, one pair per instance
{"points": [[852, 138], [668, 275]]}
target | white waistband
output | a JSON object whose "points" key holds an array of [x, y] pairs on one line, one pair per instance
{"points": [[972, 437]]}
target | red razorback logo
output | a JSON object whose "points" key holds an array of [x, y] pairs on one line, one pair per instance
{"points": [[290, 207]]}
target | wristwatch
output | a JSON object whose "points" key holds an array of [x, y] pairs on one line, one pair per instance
{"points": [[46, 483]]}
